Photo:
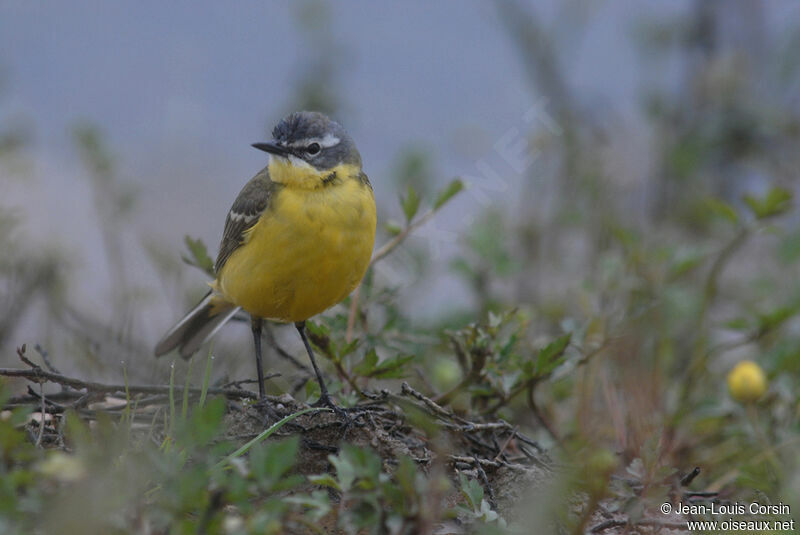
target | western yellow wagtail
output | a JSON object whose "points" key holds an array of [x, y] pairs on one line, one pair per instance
{"points": [[297, 240]]}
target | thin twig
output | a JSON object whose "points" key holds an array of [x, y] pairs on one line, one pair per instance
{"points": [[502, 448], [238, 384], [46, 358], [389, 246], [712, 280], [283, 353], [472, 427], [688, 478], [41, 397], [42, 417], [324, 345], [39, 375], [541, 417], [465, 425], [701, 355], [351, 315], [381, 253], [486, 484], [23, 358], [583, 360], [437, 409], [470, 461]]}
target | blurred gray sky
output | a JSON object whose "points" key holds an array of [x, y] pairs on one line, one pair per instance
{"points": [[182, 88], [171, 82]]}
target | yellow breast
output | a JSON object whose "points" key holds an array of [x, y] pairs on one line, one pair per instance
{"points": [[308, 251]]}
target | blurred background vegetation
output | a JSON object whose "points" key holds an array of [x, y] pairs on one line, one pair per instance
{"points": [[617, 250]]}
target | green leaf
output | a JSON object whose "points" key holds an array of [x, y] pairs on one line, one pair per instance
{"points": [[204, 424], [325, 480], [318, 503], [509, 379], [487, 513], [406, 475], [393, 228], [552, 355], [410, 204], [739, 323], [790, 248], [348, 348], [472, 492], [722, 209], [317, 329], [450, 191], [356, 467], [393, 367], [269, 462], [684, 263], [345, 472], [313, 391], [389, 368], [776, 318], [777, 201], [198, 255], [367, 365]]}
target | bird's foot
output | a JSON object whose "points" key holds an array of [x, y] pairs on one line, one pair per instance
{"points": [[264, 407], [326, 401]]}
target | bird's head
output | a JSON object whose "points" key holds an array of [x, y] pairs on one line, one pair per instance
{"points": [[309, 150]]}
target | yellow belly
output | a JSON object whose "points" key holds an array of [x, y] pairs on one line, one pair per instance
{"points": [[308, 252]]}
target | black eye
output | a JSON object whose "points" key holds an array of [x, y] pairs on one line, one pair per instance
{"points": [[313, 148]]}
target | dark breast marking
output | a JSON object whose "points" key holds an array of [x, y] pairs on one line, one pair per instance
{"points": [[330, 179]]}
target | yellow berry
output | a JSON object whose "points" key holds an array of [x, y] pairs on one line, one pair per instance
{"points": [[747, 382]]}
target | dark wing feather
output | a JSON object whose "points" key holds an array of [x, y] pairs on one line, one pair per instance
{"points": [[252, 201]]}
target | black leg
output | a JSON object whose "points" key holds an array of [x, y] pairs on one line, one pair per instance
{"points": [[324, 398], [301, 328], [255, 324]]}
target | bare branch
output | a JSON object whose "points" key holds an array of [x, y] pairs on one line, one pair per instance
{"points": [[39, 375]]}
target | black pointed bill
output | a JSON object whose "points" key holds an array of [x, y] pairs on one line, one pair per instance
{"points": [[272, 148]]}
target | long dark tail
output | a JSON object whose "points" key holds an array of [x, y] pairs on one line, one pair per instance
{"points": [[200, 324]]}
